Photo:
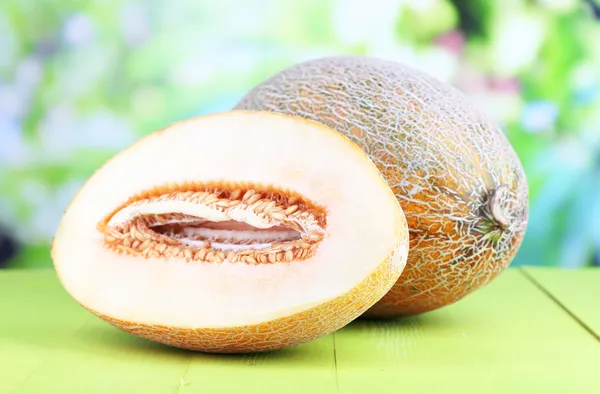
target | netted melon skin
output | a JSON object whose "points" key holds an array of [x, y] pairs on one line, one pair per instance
{"points": [[444, 159]]}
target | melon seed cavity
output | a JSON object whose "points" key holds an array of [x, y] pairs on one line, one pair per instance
{"points": [[213, 223]]}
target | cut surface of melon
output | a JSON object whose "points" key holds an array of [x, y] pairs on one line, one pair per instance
{"points": [[221, 233]]}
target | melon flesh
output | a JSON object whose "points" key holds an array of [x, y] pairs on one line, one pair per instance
{"points": [[459, 182], [234, 232]]}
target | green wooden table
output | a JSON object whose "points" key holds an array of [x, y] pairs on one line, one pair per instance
{"points": [[532, 330]]}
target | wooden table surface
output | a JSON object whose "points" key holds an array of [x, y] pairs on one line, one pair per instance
{"points": [[532, 330]]}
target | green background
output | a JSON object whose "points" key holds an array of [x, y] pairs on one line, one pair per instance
{"points": [[80, 80]]}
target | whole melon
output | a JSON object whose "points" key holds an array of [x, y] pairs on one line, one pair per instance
{"points": [[456, 176]]}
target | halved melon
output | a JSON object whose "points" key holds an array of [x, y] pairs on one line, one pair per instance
{"points": [[224, 234]]}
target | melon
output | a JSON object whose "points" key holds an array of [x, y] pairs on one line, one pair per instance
{"points": [[461, 185], [233, 232]]}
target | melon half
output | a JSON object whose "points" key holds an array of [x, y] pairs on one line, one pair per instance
{"points": [[234, 232]]}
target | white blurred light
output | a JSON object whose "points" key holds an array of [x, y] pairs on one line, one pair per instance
{"points": [[438, 63], [517, 41], [8, 42], [584, 75], [79, 30], [81, 71], [104, 130], [359, 21], [13, 103], [194, 70], [237, 57], [560, 5], [502, 107], [34, 192], [422, 5], [13, 148], [134, 23], [207, 61], [29, 73], [539, 116], [58, 132], [573, 153], [37, 196], [47, 215], [62, 132], [148, 101]]}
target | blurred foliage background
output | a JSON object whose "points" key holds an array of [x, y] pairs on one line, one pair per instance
{"points": [[80, 80]]}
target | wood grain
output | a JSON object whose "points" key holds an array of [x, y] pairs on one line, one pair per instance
{"points": [[506, 338], [48, 343], [308, 368], [578, 291], [55, 346]]}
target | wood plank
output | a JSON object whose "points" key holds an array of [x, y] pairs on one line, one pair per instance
{"points": [[506, 338], [308, 368], [576, 290], [51, 344], [35, 319]]}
